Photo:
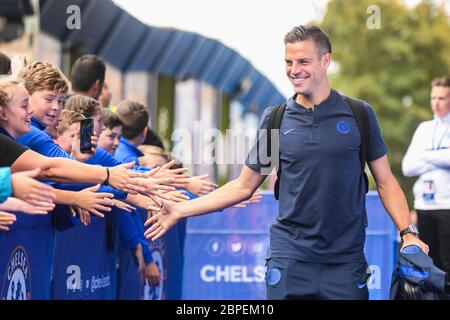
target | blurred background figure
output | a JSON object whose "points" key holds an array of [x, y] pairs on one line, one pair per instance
{"points": [[5, 64], [88, 75], [428, 157], [105, 97]]}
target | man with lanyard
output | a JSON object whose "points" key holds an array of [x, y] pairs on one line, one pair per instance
{"points": [[317, 240], [428, 157]]}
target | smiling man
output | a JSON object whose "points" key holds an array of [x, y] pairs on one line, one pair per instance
{"points": [[317, 240]]}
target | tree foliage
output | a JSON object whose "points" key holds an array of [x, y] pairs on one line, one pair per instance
{"points": [[390, 67]]}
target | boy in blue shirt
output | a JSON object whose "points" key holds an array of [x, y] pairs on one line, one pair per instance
{"points": [[109, 141]]}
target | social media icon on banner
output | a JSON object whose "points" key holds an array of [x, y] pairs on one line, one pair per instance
{"points": [[258, 247], [235, 247], [215, 247]]}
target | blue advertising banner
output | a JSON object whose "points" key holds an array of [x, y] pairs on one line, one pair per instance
{"points": [[26, 258], [173, 270], [225, 251], [380, 247], [223, 258], [160, 257], [84, 263], [129, 284], [168, 254]]}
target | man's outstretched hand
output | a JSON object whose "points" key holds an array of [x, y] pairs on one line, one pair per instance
{"points": [[162, 221]]}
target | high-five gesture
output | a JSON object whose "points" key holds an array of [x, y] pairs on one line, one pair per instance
{"points": [[162, 221], [121, 178], [200, 185]]}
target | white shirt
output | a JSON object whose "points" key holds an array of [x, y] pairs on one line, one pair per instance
{"points": [[428, 157]]}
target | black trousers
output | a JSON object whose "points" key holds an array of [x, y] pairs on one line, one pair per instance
{"points": [[434, 229]]}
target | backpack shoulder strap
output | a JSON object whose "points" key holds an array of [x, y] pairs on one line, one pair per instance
{"points": [[275, 123], [362, 120]]}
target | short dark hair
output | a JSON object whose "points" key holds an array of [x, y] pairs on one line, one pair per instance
{"points": [[441, 82], [85, 71], [5, 64], [110, 119], [152, 139], [309, 32], [134, 117]]}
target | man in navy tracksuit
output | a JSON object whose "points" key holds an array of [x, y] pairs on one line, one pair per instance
{"points": [[317, 239]]}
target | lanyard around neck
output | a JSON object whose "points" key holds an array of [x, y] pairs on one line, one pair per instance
{"points": [[442, 138]]}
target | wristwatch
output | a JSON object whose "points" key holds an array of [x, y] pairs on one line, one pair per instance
{"points": [[409, 229]]}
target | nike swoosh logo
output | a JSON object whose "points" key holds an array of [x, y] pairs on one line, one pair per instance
{"points": [[361, 285], [286, 132]]}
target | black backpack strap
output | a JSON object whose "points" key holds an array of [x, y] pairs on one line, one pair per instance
{"points": [[275, 123], [362, 120]]}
